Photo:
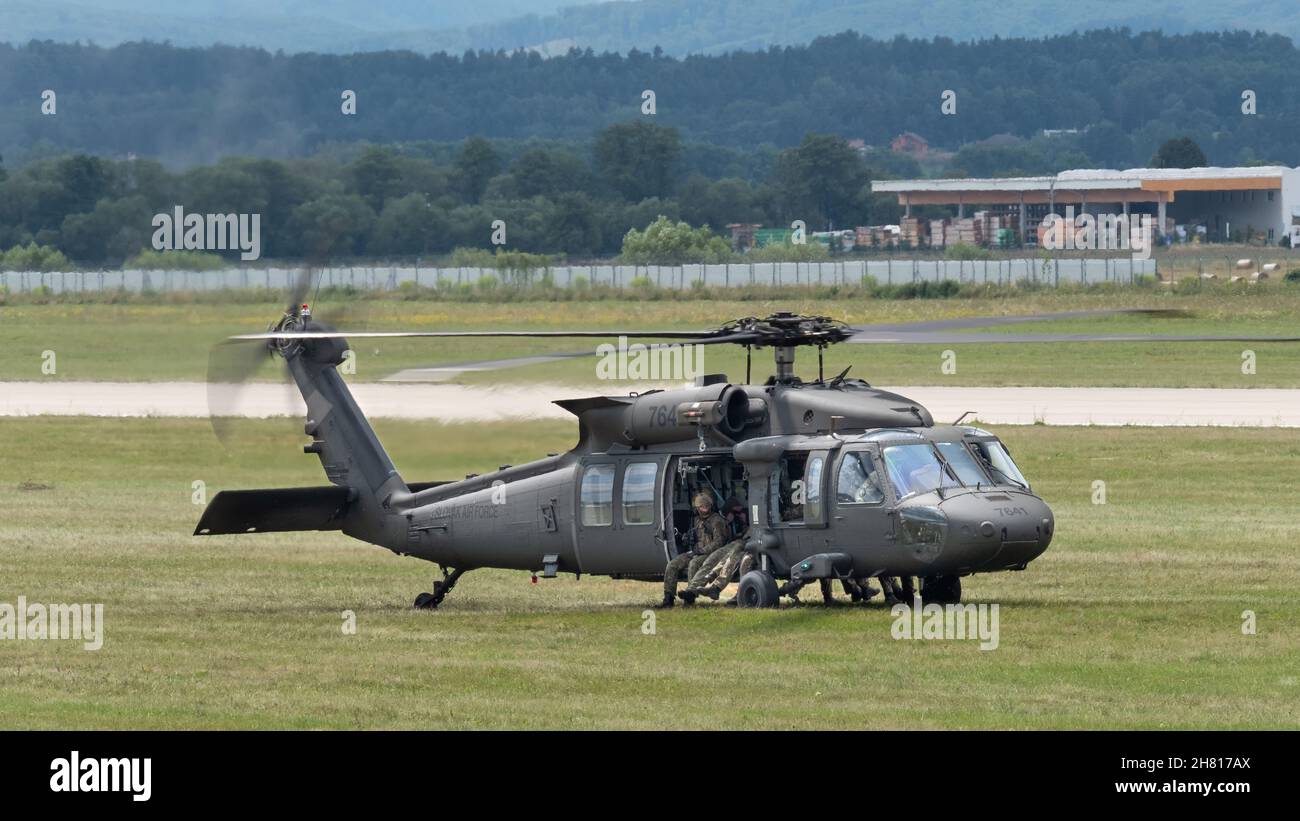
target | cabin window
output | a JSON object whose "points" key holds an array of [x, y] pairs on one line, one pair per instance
{"points": [[858, 481], [597, 497], [639, 493]]}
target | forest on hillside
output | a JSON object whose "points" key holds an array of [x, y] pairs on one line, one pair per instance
{"points": [[1123, 92]]}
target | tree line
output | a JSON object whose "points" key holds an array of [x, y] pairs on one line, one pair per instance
{"points": [[382, 201], [1123, 92], [388, 202]]}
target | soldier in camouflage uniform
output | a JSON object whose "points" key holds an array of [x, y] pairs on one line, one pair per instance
{"points": [[716, 571], [708, 533], [714, 576]]}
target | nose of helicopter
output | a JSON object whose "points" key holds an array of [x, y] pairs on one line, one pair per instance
{"points": [[995, 530]]}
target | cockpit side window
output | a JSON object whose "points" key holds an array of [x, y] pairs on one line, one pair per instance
{"points": [[787, 489], [812, 489], [858, 481], [999, 463]]}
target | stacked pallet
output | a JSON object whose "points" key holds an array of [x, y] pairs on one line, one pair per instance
{"points": [[966, 230], [991, 222], [914, 232], [876, 236], [937, 229], [998, 228]]}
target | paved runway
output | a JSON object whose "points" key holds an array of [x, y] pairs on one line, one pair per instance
{"points": [[1263, 407]]}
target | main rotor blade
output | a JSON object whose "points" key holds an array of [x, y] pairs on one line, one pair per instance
{"points": [[941, 331], [1014, 319], [442, 372], [924, 338], [699, 337]]}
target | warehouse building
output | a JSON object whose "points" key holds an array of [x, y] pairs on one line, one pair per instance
{"points": [[1256, 204]]}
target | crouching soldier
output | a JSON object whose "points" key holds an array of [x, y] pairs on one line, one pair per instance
{"points": [[716, 573], [859, 590], [708, 534]]}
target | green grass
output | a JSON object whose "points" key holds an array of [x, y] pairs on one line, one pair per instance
{"points": [[1132, 618]]}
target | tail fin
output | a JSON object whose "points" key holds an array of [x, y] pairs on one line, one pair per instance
{"points": [[347, 446]]}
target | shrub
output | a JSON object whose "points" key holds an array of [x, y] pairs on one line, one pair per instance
{"points": [[963, 250], [33, 257]]}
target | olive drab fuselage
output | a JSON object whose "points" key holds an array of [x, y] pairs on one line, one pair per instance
{"points": [[532, 516], [840, 478]]}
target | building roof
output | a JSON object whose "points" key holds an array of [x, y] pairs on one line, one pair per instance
{"points": [[1090, 178]]}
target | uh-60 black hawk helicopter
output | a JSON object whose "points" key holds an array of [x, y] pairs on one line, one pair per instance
{"points": [[885, 491]]}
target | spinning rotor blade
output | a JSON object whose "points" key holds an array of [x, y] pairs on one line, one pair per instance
{"points": [[940, 332], [700, 337], [233, 362], [925, 338], [300, 288], [231, 365], [780, 329], [1014, 319]]}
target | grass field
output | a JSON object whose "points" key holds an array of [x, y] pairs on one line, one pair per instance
{"points": [[1132, 619], [167, 341]]}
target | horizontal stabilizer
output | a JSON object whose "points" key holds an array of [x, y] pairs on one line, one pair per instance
{"points": [[274, 511], [280, 510]]}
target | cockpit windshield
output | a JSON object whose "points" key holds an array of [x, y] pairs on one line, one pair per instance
{"points": [[963, 464], [916, 469], [999, 463]]}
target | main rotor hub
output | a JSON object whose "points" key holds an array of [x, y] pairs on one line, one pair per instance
{"points": [[789, 330], [784, 332]]}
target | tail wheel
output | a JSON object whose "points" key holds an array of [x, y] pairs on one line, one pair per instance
{"points": [[941, 589], [757, 589]]}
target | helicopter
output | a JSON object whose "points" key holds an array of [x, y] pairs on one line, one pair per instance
{"points": [[841, 480]]}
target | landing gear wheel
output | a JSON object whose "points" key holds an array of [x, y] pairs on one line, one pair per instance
{"points": [[941, 589], [430, 601], [757, 589], [425, 601]]}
